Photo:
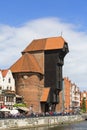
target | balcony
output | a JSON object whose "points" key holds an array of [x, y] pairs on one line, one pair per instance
{"points": [[9, 103], [76, 100]]}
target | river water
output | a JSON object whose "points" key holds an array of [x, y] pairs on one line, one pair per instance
{"points": [[75, 126]]}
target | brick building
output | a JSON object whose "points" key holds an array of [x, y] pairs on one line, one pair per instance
{"points": [[38, 73], [64, 104], [70, 97]]}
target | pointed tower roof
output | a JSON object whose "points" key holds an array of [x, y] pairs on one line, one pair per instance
{"points": [[45, 44], [27, 63]]}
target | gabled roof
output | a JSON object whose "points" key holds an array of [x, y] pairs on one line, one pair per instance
{"points": [[45, 44], [27, 63], [4, 72], [45, 94]]}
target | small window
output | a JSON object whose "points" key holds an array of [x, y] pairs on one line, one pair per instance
{"points": [[25, 76], [10, 88], [7, 88], [9, 80]]}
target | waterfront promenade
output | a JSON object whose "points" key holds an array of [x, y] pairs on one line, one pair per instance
{"points": [[38, 121]]}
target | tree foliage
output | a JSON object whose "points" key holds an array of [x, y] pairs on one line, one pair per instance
{"points": [[83, 106], [19, 105]]}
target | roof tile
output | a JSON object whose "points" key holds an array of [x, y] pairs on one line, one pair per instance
{"points": [[45, 44], [4, 72], [27, 63]]}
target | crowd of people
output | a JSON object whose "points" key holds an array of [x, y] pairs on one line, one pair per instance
{"points": [[27, 114]]}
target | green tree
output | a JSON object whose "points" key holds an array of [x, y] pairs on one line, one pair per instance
{"points": [[20, 105], [83, 106]]}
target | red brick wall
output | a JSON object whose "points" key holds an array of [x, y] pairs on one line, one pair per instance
{"points": [[59, 105], [67, 86], [64, 97], [30, 88]]}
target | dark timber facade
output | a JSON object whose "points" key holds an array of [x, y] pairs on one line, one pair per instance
{"points": [[54, 60]]}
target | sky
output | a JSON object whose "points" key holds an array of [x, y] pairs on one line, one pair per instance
{"points": [[22, 21]]}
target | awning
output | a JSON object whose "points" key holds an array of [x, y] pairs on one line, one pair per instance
{"points": [[45, 94], [4, 109], [23, 108], [14, 112]]}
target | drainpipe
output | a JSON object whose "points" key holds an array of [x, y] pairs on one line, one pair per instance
{"points": [[63, 100]]}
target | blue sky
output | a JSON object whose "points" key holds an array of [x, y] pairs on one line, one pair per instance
{"points": [[17, 12], [21, 21]]}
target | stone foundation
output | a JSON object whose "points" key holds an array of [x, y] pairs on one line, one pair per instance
{"points": [[37, 122]]}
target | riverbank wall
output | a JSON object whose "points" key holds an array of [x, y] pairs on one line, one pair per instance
{"points": [[37, 122]]}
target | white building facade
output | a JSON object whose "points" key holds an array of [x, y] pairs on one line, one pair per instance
{"points": [[7, 89], [75, 97], [8, 80]]}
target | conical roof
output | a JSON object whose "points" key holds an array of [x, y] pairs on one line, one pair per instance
{"points": [[27, 63]]}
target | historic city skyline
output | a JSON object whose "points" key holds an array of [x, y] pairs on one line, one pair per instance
{"points": [[25, 20]]}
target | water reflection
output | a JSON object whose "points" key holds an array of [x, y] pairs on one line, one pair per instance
{"points": [[75, 126]]}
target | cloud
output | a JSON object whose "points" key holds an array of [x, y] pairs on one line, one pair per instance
{"points": [[13, 41]]}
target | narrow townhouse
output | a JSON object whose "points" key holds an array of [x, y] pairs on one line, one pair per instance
{"points": [[70, 97], [7, 89], [75, 97]]}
